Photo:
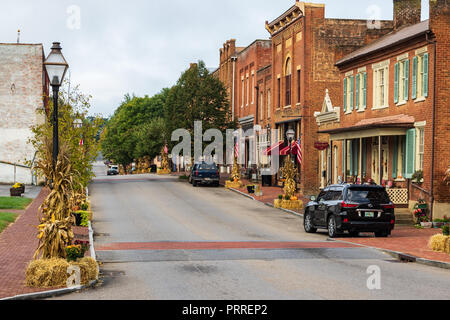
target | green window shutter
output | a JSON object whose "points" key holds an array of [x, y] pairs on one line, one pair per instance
{"points": [[403, 156], [352, 92], [395, 159], [410, 153], [358, 79], [345, 95], [397, 74], [414, 79], [425, 75], [406, 84], [365, 90]]}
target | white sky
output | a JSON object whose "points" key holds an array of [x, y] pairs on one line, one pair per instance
{"points": [[142, 46]]}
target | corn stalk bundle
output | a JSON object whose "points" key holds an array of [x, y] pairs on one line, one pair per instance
{"points": [[55, 230], [289, 173], [235, 174]]}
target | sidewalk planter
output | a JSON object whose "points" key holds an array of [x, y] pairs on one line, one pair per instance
{"points": [[437, 225], [251, 189], [427, 225], [78, 218], [288, 204], [15, 192]]}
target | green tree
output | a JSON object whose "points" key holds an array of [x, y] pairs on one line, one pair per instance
{"points": [[72, 106], [198, 96]]}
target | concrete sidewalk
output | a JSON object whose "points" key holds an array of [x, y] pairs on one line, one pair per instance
{"points": [[18, 243]]}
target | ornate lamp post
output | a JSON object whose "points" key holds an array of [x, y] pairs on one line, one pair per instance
{"points": [[290, 135], [56, 67]]}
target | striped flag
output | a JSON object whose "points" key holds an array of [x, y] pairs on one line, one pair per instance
{"points": [[298, 149], [236, 150]]}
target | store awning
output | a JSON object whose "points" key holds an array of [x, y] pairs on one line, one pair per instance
{"points": [[269, 150]]}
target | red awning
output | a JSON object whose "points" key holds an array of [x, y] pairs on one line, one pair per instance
{"points": [[268, 152]]}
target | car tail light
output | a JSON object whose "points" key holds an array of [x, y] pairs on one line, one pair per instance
{"points": [[196, 173], [345, 220], [348, 205], [392, 221], [217, 172], [388, 206]]}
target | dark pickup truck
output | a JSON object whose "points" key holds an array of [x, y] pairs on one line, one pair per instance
{"points": [[204, 173]]}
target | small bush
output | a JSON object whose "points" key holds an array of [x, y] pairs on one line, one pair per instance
{"points": [[280, 197], [446, 230]]}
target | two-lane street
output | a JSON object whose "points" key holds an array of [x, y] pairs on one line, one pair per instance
{"points": [[161, 238]]}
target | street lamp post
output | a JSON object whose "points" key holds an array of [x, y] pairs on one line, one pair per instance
{"points": [[56, 68], [290, 135]]}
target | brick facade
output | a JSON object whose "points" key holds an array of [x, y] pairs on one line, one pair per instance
{"points": [[22, 88], [405, 110], [308, 44]]}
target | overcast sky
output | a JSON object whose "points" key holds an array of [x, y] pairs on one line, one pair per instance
{"points": [[142, 46]]}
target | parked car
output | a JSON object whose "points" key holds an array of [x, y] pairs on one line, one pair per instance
{"points": [[352, 208], [113, 171], [204, 173]]}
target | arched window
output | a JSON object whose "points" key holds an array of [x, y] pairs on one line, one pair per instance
{"points": [[288, 80]]}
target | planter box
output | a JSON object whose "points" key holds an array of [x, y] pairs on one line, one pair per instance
{"points": [[15, 192], [427, 225], [288, 204], [438, 225], [77, 218]]}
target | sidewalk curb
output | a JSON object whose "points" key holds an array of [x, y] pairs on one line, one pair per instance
{"points": [[285, 210], [51, 293], [241, 193], [402, 256]]}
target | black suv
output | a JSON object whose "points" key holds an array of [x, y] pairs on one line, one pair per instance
{"points": [[352, 208]]}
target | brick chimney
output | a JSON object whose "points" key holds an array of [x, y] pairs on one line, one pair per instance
{"points": [[406, 12]]}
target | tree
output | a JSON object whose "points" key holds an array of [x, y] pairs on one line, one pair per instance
{"points": [[73, 105], [132, 127], [198, 96]]}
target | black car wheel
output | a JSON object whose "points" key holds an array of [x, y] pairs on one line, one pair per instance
{"points": [[194, 183], [332, 228], [382, 234], [308, 223]]}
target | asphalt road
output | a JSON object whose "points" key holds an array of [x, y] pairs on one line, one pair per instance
{"points": [[160, 238]]}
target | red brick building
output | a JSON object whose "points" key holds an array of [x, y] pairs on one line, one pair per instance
{"points": [[305, 46], [393, 123]]}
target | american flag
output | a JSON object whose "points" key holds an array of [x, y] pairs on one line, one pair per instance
{"points": [[298, 145]]}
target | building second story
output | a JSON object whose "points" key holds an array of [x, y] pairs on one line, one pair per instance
{"points": [[251, 59]]}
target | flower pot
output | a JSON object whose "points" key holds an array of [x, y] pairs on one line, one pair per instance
{"points": [[251, 189], [438, 225], [78, 218], [426, 224], [14, 192]]}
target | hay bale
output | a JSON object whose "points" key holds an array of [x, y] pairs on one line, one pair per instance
{"points": [[48, 273], [440, 243]]}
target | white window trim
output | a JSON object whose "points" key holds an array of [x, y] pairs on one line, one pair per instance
{"points": [[401, 72], [419, 128], [380, 66], [419, 82]]}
